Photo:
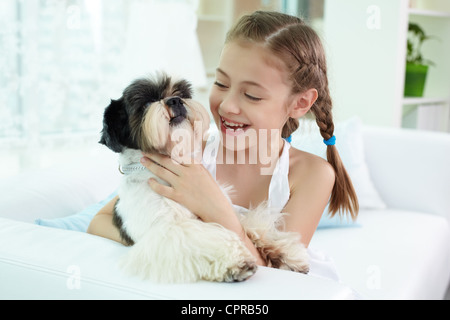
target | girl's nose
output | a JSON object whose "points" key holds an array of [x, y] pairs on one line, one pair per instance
{"points": [[230, 105]]}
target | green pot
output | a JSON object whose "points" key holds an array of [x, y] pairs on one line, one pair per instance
{"points": [[416, 75]]}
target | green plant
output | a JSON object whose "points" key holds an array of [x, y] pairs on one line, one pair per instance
{"points": [[416, 38]]}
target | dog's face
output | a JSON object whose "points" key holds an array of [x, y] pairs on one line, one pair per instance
{"points": [[155, 115]]}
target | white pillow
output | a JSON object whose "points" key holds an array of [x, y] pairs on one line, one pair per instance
{"points": [[349, 143]]}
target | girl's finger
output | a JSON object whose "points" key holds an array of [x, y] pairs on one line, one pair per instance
{"points": [[165, 161], [158, 170], [162, 190]]}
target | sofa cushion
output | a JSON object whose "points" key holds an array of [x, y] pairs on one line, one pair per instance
{"points": [[395, 255], [61, 190], [46, 263], [410, 168]]}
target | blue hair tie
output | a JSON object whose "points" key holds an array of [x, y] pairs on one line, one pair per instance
{"points": [[331, 141], [289, 139]]}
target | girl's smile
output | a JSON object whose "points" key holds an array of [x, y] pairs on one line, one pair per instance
{"points": [[231, 127]]}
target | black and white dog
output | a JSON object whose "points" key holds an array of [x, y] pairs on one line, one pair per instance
{"points": [[169, 243]]}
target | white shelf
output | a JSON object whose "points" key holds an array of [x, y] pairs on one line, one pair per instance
{"points": [[429, 13], [424, 100]]}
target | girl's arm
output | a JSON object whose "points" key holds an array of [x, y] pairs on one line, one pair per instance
{"points": [[193, 187], [102, 225], [311, 179]]}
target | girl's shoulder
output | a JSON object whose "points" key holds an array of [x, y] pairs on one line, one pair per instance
{"points": [[305, 166]]}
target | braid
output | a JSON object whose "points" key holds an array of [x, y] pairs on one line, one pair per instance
{"points": [[322, 108], [324, 117], [343, 195], [290, 126]]}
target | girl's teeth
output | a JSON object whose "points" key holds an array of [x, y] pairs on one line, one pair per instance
{"points": [[234, 125]]}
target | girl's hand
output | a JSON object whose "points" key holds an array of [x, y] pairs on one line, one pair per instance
{"points": [[192, 186]]}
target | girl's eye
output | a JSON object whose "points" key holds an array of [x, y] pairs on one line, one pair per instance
{"points": [[220, 85], [252, 97]]}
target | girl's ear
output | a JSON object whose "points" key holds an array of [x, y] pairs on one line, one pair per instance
{"points": [[302, 103]]}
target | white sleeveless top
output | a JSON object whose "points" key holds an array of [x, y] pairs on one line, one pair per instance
{"points": [[279, 190], [321, 265]]}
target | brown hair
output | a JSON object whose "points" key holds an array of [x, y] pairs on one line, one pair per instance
{"points": [[299, 46]]}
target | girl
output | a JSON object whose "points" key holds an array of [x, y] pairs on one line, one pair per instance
{"points": [[272, 71]]}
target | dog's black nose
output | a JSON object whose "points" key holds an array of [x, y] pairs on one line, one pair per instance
{"points": [[178, 109], [174, 102]]}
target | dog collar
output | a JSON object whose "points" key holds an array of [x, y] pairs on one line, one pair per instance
{"points": [[131, 168]]}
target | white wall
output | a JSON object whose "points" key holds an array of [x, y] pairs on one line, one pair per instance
{"points": [[365, 44]]}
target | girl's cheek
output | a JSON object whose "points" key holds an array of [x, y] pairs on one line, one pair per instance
{"points": [[214, 102]]}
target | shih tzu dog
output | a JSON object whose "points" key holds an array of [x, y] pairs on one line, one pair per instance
{"points": [[168, 242]]}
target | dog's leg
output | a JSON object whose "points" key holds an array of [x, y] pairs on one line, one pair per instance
{"points": [[217, 254], [279, 249], [186, 250]]}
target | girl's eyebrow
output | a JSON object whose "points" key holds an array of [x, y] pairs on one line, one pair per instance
{"points": [[252, 83], [222, 72]]}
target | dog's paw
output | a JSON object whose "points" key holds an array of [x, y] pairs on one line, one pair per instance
{"points": [[241, 272], [300, 266], [294, 258]]}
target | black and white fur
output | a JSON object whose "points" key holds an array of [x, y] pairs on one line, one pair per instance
{"points": [[169, 243]]}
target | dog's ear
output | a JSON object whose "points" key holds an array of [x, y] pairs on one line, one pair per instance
{"points": [[116, 129]]}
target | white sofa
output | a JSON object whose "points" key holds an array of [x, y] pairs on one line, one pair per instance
{"points": [[399, 248]]}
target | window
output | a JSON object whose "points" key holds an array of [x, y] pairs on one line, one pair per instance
{"points": [[62, 60]]}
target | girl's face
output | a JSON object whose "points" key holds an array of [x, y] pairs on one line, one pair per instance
{"points": [[250, 95]]}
